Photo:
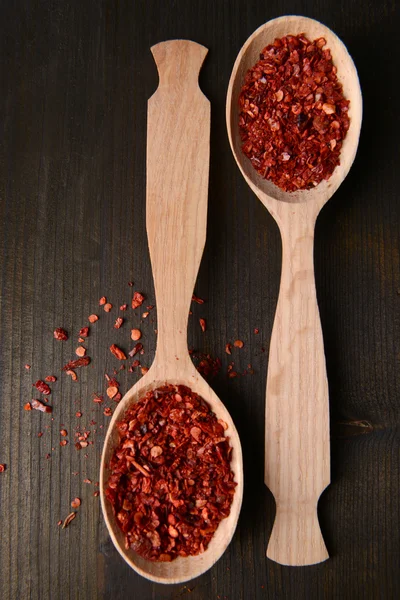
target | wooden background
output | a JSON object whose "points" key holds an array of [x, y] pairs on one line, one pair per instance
{"points": [[75, 79]]}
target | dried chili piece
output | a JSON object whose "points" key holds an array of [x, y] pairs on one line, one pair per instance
{"points": [[136, 334], [238, 344], [37, 405], [293, 114], [107, 307], [93, 318], [84, 332], [197, 299], [203, 325], [137, 348], [102, 301], [119, 321], [123, 307], [42, 387], [79, 362], [68, 519], [60, 334], [51, 378], [171, 481], [80, 351], [137, 300], [118, 353], [3, 467], [76, 502]]}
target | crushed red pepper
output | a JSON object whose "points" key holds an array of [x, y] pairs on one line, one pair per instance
{"points": [[171, 482], [60, 334], [293, 114], [137, 300], [118, 353]]}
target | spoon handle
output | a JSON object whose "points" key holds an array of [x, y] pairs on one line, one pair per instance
{"points": [[297, 460], [178, 148]]}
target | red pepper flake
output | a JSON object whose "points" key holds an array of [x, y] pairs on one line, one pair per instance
{"points": [[63, 442], [84, 332], [80, 351], [74, 376], [93, 318], [144, 370], [206, 365], [68, 519], [293, 114], [118, 353], [117, 397], [203, 324], [79, 362], [98, 398], [96, 494], [40, 434], [3, 467], [136, 349], [197, 299], [118, 322], [27, 367], [37, 405], [130, 283], [112, 391], [123, 307], [81, 340], [256, 331], [27, 406], [51, 378], [145, 315], [228, 348], [108, 412], [78, 414], [87, 481], [238, 344], [171, 481], [59, 523], [136, 334], [42, 387], [63, 432], [232, 374], [108, 307], [76, 502], [60, 334], [102, 301], [137, 300]]}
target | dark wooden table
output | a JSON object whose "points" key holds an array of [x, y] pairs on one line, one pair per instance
{"points": [[75, 79]]}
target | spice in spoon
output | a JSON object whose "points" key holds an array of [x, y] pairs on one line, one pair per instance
{"points": [[171, 481], [293, 114]]}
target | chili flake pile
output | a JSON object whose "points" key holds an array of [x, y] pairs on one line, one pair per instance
{"points": [[293, 114], [171, 482]]}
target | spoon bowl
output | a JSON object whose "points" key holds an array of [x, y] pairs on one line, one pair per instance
{"points": [[297, 455], [178, 131]]}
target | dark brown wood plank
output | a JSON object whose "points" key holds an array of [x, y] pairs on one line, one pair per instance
{"points": [[75, 78]]}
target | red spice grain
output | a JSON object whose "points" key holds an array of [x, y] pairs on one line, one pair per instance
{"points": [[63, 442], [145, 315], [42, 387], [68, 519], [136, 334], [79, 362], [107, 412], [96, 494], [144, 370], [76, 502], [238, 344], [108, 307], [93, 318], [112, 391], [171, 482], [72, 373], [27, 367], [60, 334], [102, 301], [228, 348], [51, 378], [123, 307], [118, 353], [63, 432], [118, 322], [80, 351], [256, 331], [3, 467], [203, 324], [293, 114], [137, 300], [27, 406], [37, 405], [84, 332], [137, 348], [197, 299], [78, 414]]}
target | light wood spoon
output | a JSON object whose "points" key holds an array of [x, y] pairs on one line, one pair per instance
{"points": [[178, 147], [297, 455]]}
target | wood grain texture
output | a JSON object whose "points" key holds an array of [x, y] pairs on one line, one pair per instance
{"points": [[75, 79], [178, 153], [297, 454]]}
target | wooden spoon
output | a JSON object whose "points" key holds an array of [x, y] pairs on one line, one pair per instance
{"points": [[178, 135], [297, 457]]}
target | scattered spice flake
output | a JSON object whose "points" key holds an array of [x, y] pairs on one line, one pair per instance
{"points": [[80, 351], [84, 332], [93, 318], [59, 523], [136, 349], [238, 344], [76, 502], [81, 340], [51, 378], [79, 362], [130, 283], [144, 370], [206, 364], [42, 387], [291, 108], [118, 322], [136, 334], [117, 397], [232, 374], [3, 467], [102, 301], [145, 315], [60, 334], [123, 307], [150, 307], [96, 494], [137, 300], [182, 488], [40, 434], [27, 406], [108, 307], [74, 376], [256, 331], [63, 442], [118, 353], [228, 348], [112, 391], [203, 324], [108, 412], [197, 299], [63, 432], [68, 519], [97, 398], [27, 367], [87, 481], [78, 414], [37, 405]]}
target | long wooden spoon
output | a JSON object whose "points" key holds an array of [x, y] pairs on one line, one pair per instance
{"points": [[178, 133], [297, 457]]}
